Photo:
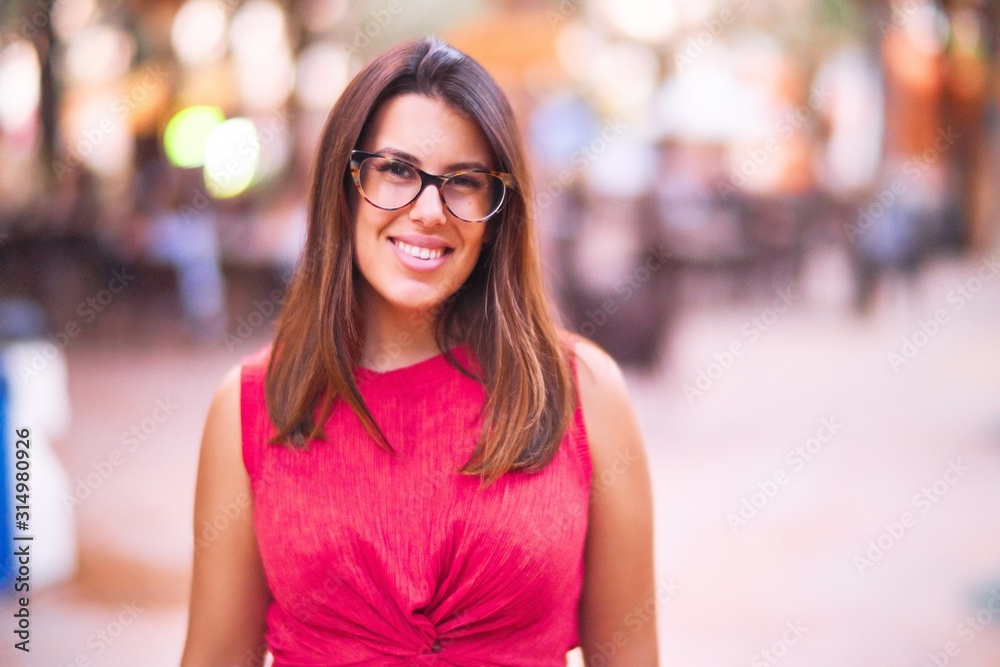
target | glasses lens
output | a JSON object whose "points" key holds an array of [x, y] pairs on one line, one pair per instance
{"points": [[470, 195], [474, 195], [388, 183]]}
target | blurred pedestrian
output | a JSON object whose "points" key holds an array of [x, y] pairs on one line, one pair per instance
{"points": [[181, 233]]}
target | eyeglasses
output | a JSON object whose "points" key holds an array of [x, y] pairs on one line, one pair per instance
{"points": [[388, 183]]}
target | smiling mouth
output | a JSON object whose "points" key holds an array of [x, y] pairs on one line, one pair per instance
{"points": [[420, 253]]}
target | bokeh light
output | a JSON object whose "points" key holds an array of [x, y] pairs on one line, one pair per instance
{"points": [[643, 20], [577, 45], [926, 25], [95, 136], [68, 18], [263, 59], [697, 104], [267, 83], [258, 30], [19, 89], [198, 33], [320, 16], [231, 155], [187, 132], [624, 76], [98, 54], [276, 144], [321, 76]]}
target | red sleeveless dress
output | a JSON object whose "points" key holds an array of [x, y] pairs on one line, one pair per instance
{"points": [[382, 560]]}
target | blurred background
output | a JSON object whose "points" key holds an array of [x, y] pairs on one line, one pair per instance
{"points": [[780, 216]]}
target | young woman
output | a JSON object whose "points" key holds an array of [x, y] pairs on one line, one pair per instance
{"points": [[422, 469]]}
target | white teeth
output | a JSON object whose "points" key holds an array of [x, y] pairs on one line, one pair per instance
{"points": [[419, 253]]}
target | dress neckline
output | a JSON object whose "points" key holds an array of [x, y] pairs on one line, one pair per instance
{"points": [[423, 370]]}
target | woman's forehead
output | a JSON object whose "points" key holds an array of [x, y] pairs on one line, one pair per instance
{"points": [[428, 129]]}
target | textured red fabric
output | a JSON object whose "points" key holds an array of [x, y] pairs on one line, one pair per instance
{"points": [[381, 560]]}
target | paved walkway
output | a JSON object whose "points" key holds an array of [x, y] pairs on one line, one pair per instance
{"points": [[819, 503]]}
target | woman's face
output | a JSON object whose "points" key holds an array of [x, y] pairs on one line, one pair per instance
{"points": [[434, 137]]}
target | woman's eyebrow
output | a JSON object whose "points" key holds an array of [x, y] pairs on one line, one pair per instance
{"points": [[400, 154], [462, 166], [415, 161]]}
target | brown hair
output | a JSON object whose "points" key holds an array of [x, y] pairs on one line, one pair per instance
{"points": [[500, 311]]}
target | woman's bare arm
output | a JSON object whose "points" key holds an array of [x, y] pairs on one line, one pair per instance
{"points": [[617, 607], [229, 594]]}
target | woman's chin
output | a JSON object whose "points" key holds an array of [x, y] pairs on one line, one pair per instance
{"points": [[421, 302]]}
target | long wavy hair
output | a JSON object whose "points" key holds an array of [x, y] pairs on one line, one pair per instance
{"points": [[500, 312]]}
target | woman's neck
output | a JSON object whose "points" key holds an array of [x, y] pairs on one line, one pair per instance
{"points": [[395, 338]]}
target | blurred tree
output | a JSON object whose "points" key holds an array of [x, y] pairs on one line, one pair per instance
{"points": [[958, 86], [970, 83]]}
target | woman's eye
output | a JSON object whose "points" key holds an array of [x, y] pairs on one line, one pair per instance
{"points": [[468, 181], [397, 169]]}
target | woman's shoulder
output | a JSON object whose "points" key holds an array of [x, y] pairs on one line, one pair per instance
{"points": [[595, 369], [226, 401], [256, 362], [237, 409], [231, 393], [604, 400], [221, 441]]}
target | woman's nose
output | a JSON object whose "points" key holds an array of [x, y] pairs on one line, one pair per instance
{"points": [[429, 207]]}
